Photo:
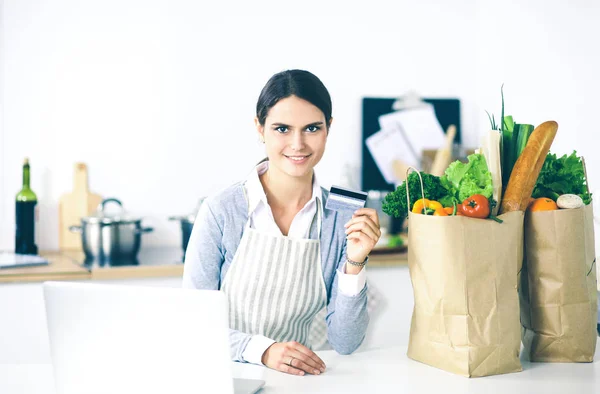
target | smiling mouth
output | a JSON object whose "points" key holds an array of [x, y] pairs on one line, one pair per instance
{"points": [[297, 158]]}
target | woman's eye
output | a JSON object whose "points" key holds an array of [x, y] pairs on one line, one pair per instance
{"points": [[312, 129], [281, 129]]}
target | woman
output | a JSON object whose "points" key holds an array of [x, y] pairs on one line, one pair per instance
{"points": [[270, 245]]}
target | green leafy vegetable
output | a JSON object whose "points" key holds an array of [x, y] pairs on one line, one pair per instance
{"points": [[395, 203], [466, 179], [560, 176]]}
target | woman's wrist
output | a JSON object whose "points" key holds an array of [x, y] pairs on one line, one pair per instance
{"points": [[353, 267], [357, 261], [263, 359]]}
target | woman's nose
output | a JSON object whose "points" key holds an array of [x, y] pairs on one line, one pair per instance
{"points": [[297, 142]]}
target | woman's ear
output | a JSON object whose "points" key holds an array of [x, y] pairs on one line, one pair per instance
{"points": [[329, 125], [260, 129]]}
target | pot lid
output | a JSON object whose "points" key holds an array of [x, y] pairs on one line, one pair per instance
{"points": [[107, 216]]}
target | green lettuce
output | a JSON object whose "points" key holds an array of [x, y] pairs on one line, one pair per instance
{"points": [[562, 175], [462, 180]]}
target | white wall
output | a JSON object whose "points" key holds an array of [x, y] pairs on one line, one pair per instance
{"points": [[549, 64], [3, 219], [158, 96]]}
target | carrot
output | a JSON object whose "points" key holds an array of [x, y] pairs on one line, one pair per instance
{"points": [[527, 168]]}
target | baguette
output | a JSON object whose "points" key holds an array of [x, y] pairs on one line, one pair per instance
{"points": [[527, 168]]}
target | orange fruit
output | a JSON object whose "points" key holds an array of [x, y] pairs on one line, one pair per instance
{"points": [[542, 204]]}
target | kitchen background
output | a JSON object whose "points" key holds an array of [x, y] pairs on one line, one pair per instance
{"points": [[158, 97]]}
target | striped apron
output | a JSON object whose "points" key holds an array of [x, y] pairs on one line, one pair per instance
{"points": [[275, 286]]}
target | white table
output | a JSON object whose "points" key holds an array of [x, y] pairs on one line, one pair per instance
{"points": [[389, 370], [384, 370]]}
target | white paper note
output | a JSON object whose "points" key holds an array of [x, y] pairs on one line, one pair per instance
{"points": [[386, 146], [419, 126]]}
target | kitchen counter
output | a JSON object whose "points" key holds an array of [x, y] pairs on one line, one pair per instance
{"points": [[382, 370], [152, 263], [389, 370]]}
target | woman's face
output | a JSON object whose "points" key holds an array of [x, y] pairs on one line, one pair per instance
{"points": [[294, 134]]}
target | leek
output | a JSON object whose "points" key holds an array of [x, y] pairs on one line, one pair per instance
{"points": [[490, 149], [524, 133], [508, 157]]}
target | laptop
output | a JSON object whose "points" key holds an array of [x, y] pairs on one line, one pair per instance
{"points": [[133, 339]]}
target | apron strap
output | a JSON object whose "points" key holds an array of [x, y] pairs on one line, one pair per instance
{"points": [[319, 216]]}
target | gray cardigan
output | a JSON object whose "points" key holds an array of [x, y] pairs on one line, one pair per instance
{"points": [[215, 238]]}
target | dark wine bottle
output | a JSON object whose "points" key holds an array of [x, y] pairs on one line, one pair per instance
{"points": [[25, 216]]}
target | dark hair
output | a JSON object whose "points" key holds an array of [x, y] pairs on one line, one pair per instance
{"points": [[299, 83]]}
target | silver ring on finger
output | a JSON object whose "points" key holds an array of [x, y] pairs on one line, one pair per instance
{"points": [[291, 361]]}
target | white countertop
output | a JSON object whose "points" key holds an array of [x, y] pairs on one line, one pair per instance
{"points": [[384, 370]]}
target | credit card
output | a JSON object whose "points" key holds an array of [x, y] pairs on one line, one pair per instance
{"points": [[341, 199]]}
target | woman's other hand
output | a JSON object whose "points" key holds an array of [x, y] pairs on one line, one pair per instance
{"points": [[293, 358]]}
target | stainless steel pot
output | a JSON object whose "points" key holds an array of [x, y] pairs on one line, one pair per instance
{"points": [[111, 238], [187, 224]]}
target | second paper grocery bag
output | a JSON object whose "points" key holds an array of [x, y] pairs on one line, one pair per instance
{"points": [[464, 273], [558, 291]]}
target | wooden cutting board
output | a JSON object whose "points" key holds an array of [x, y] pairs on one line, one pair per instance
{"points": [[73, 206]]}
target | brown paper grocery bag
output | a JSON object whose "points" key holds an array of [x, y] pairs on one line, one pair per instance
{"points": [[464, 277], [558, 292]]}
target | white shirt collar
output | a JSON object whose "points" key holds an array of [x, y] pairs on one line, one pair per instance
{"points": [[256, 193]]}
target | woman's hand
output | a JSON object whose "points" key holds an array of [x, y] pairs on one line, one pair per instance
{"points": [[362, 232], [293, 358]]}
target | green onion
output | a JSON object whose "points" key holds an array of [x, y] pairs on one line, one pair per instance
{"points": [[492, 120]]}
